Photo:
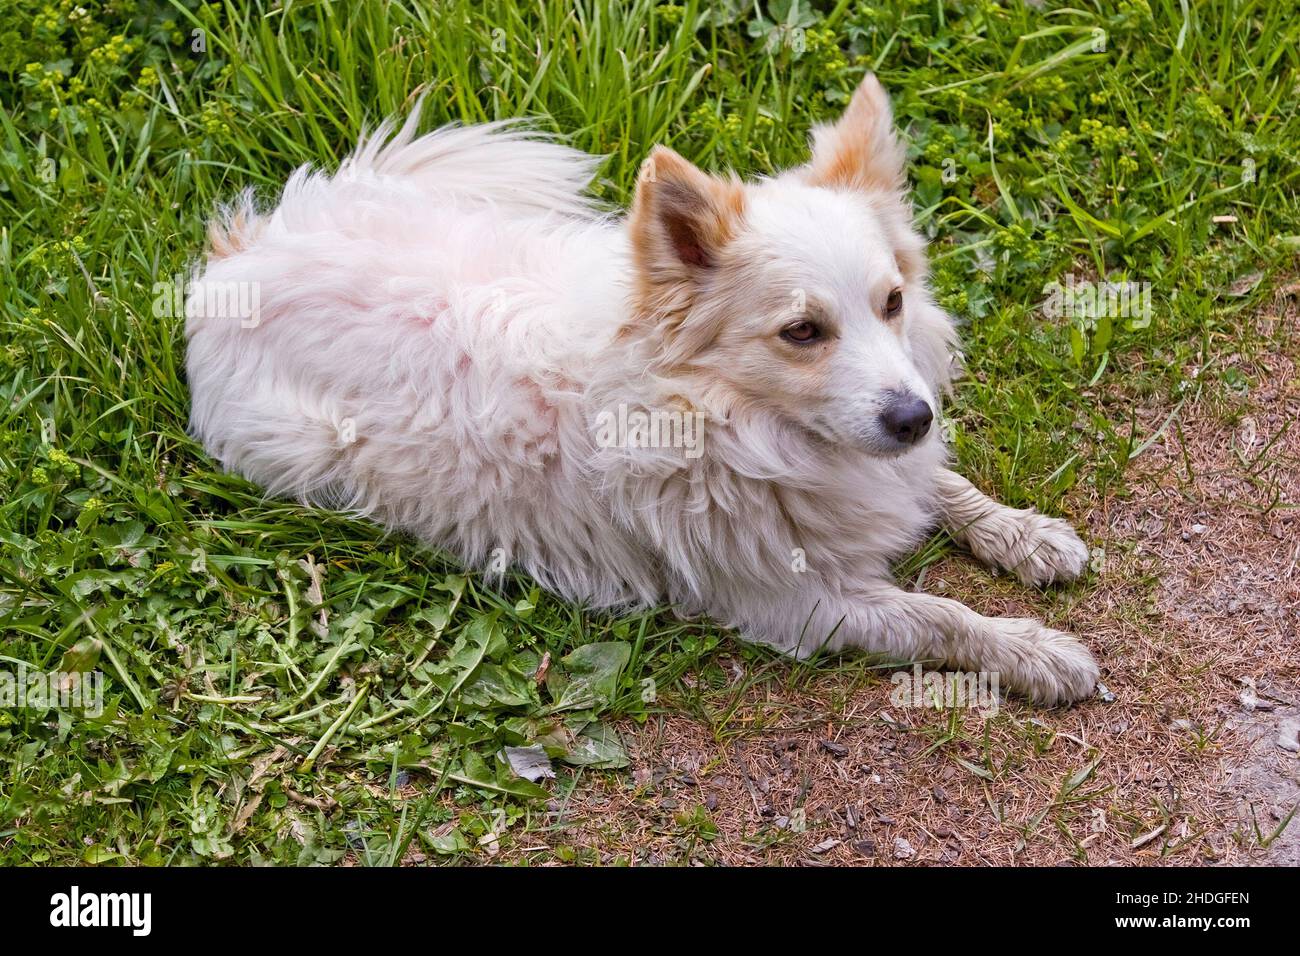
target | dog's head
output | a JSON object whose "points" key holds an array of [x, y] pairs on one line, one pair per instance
{"points": [[805, 294]]}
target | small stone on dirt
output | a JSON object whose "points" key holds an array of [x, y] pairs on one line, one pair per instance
{"points": [[1288, 735]]}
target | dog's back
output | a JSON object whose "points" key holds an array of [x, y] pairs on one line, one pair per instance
{"points": [[405, 339]]}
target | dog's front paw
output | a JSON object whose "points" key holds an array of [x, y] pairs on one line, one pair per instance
{"points": [[1047, 550], [1035, 548], [1047, 666]]}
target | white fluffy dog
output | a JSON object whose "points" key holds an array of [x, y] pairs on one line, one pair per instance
{"points": [[722, 401]]}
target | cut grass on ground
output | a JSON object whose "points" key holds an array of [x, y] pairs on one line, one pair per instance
{"points": [[285, 685]]}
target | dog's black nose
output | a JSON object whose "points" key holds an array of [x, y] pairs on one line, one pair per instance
{"points": [[907, 419]]}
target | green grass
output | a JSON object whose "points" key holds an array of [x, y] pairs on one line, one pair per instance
{"points": [[237, 727]]}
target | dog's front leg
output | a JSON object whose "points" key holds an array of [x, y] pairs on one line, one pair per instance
{"points": [[1031, 659], [1035, 548], [1047, 666]]}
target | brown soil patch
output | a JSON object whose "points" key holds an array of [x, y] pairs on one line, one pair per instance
{"points": [[1215, 505]]}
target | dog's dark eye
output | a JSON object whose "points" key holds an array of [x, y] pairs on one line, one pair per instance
{"points": [[802, 333], [894, 304]]}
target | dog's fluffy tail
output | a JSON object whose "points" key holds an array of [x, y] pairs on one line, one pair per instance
{"points": [[505, 163]]}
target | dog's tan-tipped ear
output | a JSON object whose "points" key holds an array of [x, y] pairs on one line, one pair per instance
{"points": [[682, 217], [860, 150]]}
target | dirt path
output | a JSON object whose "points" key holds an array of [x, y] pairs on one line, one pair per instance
{"points": [[1215, 506]]}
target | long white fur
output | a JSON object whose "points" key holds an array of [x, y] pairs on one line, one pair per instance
{"points": [[441, 323]]}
